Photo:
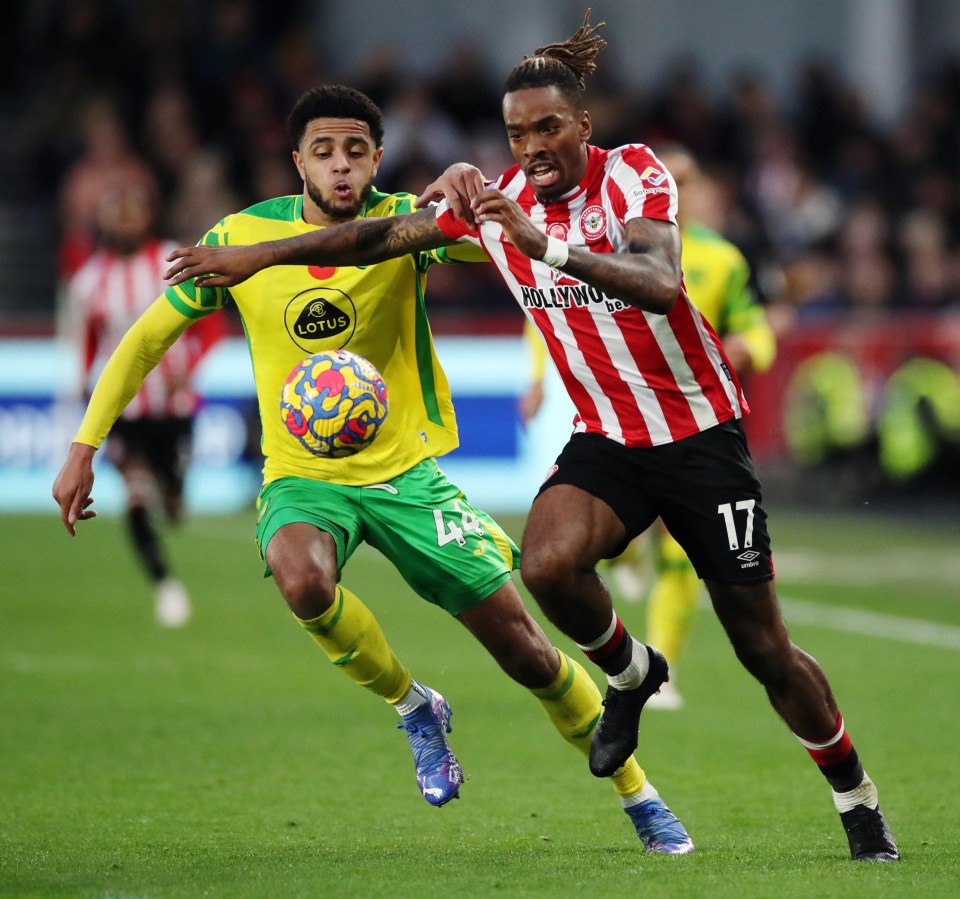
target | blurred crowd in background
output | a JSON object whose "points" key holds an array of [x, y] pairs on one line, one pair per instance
{"points": [[850, 220], [834, 211]]}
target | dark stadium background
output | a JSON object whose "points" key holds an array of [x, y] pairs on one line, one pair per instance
{"points": [[834, 128]]}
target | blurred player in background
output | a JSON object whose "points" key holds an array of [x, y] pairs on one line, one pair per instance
{"points": [[314, 511], [150, 443], [586, 239], [718, 281]]}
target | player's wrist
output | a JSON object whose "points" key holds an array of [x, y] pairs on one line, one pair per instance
{"points": [[557, 252]]}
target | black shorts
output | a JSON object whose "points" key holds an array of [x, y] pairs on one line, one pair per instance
{"points": [[163, 444], [704, 488]]}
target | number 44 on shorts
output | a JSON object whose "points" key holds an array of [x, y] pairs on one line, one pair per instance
{"points": [[448, 531]]}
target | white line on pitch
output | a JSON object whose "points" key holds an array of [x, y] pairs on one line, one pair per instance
{"points": [[873, 624]]}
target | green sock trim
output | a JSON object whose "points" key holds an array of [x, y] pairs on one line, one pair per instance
{"points": [[589, 728], [318, 625], [552, 693]]}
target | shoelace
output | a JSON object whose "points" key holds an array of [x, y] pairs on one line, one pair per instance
{"points": [[429, 747]]}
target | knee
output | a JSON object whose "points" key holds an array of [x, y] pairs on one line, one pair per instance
{"points": [[762, 657], [777, 663], [307, 588], [544, 570]]}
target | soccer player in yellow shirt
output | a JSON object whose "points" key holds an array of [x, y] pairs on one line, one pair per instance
{"points": [[313, 512]]}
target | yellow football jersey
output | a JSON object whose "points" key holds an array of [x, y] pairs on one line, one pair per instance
{"points": [[376, 311], [717, 278]]}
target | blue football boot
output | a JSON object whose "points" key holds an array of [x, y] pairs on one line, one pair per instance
{"points": [[659, 829], [438, 772]]}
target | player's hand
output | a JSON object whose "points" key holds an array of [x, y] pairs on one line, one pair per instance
{"points": [[459, 184], [738, 352], [216, 266], [530, 401], [492, 206], [73, 486]]}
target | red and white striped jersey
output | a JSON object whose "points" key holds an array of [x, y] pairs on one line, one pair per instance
{"points": [[106, 296], [640, 378]]}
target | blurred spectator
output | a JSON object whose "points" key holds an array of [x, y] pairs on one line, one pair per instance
{"points": [[931, 275], [107, 161], [420, 136], [170, 132], [196, 91], [797, 210], [466, 90], [202, 195]]}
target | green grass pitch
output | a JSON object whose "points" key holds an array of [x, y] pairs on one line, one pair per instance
{"points": [[229, 759]]}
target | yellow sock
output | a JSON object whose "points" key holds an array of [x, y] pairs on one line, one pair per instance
{"points": [[673, 601], [352, 639], [573, 703]]}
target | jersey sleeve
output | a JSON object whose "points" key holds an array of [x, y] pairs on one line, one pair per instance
{"points": [[645, 188], [453, 227], [196, 302], [458, 252], [743, 315]]}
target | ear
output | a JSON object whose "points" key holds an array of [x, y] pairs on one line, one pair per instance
{"points": [[298, 162], [586, 127], [377, 156]]}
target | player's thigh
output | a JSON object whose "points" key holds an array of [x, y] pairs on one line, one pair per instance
{"points": [[303, 560], [449, 551], [711, 502], [570, 527], [330, 508], [591, 505]]}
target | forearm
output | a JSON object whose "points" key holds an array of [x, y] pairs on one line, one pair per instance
{"points": [[360, 242], [140, 350], [635, 278]]}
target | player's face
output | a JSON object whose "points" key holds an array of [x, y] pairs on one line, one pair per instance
{"points": [[548, 138], [337, 160]]}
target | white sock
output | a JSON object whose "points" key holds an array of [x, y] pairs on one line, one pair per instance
{"points": [[415, 697], [632, 676], [649, 791], [865, 794]]}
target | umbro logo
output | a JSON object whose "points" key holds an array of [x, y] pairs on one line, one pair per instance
{"points": [[749, 555]]}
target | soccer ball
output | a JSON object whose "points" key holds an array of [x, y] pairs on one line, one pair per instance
{"points": [[334, 403]]}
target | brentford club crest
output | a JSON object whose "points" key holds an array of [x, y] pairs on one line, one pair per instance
{"points": [[593, 223]]}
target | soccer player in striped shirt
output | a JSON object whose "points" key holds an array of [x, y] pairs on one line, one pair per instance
{"points": [[587, 241], [150, 445], [717, 279], [313, 511]]}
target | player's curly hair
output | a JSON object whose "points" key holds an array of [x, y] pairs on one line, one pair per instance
{"points": [[564, 65], [333, 101]]}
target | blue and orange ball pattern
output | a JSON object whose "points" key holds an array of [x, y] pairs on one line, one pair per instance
{"points": [[334, 403]]}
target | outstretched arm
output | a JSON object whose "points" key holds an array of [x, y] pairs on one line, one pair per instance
{"points": [[646, 276], [363, 241]]}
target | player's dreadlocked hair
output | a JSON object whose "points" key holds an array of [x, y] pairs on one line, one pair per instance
{"points": [[564, 65], [333, 101]]}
